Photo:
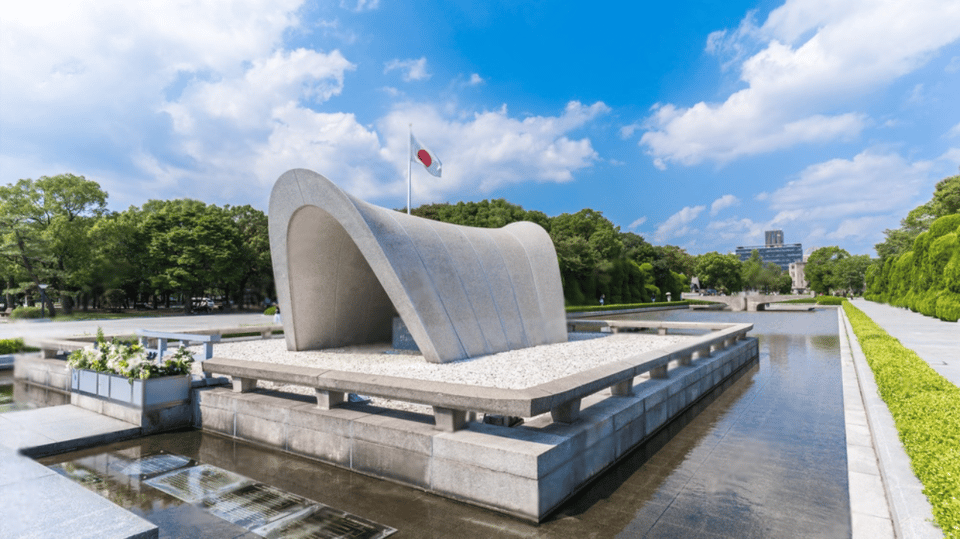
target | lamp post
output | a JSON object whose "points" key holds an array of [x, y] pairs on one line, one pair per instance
{"points": [[43, 298]]}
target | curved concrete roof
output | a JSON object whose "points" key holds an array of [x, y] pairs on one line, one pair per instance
{"points": [[344, 268]]}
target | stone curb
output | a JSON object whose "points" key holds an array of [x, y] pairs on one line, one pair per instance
{"points": [[910, 510]]}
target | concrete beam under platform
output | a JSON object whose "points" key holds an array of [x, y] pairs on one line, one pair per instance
{"points": [[525, 471]]}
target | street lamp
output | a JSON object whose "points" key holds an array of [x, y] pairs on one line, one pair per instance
{"points": [[43, 297]]}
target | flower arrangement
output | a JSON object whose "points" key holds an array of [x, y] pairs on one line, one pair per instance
{"points": [[129, 360]]}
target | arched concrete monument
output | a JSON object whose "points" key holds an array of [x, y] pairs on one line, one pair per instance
{"points": [[344, 268]]}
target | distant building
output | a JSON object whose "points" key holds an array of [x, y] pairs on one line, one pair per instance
{"points": [[773, 238], [800, 284], [774, 250]]}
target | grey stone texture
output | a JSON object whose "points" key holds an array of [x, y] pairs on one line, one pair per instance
{"points": [[36, 501], [344, 268], [525, 471]]}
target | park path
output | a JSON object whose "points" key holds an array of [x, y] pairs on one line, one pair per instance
{"points": [[935, 341], [46, 328]]}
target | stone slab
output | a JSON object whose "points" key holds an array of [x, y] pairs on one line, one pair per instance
{"points": [[525, 471], [37, 502]]}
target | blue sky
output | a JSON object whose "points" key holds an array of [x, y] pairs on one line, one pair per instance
{"points": [[700, 124]]}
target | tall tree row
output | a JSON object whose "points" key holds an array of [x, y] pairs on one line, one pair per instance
{"points": [[596, 259], [920, 262], [56, 231]]}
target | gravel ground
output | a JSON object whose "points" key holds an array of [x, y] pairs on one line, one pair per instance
{"points": [[515, 369]]}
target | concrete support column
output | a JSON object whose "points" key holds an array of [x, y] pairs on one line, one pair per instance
{"points": [[567, 412], [659, 372], [329, 399], [687, 359], [623, 389], [661, 331], [244, 385], [449, 420]]}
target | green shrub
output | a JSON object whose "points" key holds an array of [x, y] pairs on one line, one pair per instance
{"points": [[829, 300], [25, 312], [11, 346], [926, 410], [270, 311], [948, 307]]}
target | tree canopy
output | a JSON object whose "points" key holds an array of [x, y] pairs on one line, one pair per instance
{"points": [[57, 231], [919, 265]]}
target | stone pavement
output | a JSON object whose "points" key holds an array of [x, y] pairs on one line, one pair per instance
{"points": [[935, 341], [47, 328], [36, 501]]}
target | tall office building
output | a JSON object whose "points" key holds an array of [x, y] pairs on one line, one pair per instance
{"points": [[774, 250], [773, 238]]}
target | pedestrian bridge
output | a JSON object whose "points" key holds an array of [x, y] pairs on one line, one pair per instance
{"points": [[747, 302]]}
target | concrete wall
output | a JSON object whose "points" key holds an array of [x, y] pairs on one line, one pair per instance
{"points": [[525, 471], [344, 268]]}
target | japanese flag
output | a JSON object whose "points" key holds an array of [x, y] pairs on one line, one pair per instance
{"points": [[425, 157]]}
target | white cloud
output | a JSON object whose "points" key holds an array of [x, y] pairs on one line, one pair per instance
{"points": [[723, 203], [676, 225], [869, 184], [858, 228], [360, 5], [737, 231], [412, 69], [475, 79], [486, 150], [637, 223], [951, 156], [954, 131], [627, 131], [816, 58]]}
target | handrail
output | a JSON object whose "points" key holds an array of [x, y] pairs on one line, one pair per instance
{"points": [[451, 401]]}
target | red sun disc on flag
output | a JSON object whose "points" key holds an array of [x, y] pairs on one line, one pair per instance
{"points": [[424, 157]]}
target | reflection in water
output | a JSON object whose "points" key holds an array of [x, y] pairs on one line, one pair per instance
{"points": [[764, 458]]}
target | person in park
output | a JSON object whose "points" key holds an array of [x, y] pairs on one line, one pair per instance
{"points": [[601, 299], [276, 314]]}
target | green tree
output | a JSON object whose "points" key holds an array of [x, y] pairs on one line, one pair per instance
{"points": [[191, 247], [720, 271], [822, 269], [851, 273], [256, 266], [945, 201], [44, 226]]}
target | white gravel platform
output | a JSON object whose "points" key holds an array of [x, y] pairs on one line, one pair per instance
{"points": [[515, 369]]}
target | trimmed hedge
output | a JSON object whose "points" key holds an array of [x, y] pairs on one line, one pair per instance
{"points": [[25, 312], [926, 410], [925, 279], [270, 311], [11, 346]]}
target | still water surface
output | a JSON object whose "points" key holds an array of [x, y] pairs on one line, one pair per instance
{"points": [[764, 458]]}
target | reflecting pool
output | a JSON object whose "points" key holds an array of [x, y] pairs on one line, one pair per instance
{"points": [[766, 457]]}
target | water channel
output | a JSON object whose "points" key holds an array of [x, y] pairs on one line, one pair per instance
{"points": [[766, 457]]}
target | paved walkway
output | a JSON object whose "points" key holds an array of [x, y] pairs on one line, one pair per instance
{"points": [[36, 501], [48, 328], [935, 341]]}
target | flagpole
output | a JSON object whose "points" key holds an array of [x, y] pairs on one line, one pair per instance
{"points": [[409, 164]]}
